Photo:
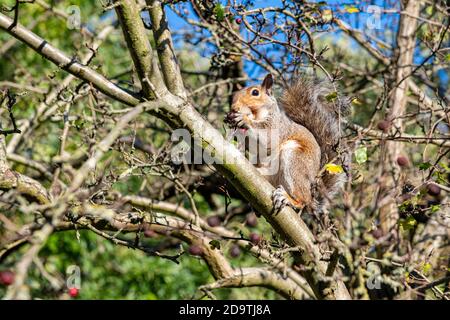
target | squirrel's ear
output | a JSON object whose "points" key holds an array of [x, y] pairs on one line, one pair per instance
{"points": [[268, 83]]}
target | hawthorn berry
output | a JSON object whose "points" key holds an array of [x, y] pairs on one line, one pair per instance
{"points": [[6, 277], [195, 250], [377, 233], [251, 220], [255, 238], [235, 251], [73, 292], [384, 125], [213, 221], [402, 161], [433, 189]]}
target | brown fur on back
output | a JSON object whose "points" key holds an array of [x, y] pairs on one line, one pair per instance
{"points": [[305, 102]]}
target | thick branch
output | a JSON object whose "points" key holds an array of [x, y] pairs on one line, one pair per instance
{"points": [[259, 277], [260, 253], [406, 42], [164, 45], [139, 47], [218, 265], [24, 185]]}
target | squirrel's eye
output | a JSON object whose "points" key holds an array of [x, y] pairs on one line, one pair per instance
{"points": [[255, 92]]}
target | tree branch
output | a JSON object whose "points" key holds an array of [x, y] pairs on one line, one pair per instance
{"points": [[68, 64], [164, 46], [139, 47]]}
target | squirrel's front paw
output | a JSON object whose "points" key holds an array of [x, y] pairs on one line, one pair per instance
{"points": [[237, 119]]}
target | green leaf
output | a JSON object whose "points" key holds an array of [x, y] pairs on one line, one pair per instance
{"points": [[447, 57], [435, 208], [361, 155], [425, 165], [440, 177], [445, 166], [331, 96], [403, 207], [408, 223], [219, 11], [215, 244]]}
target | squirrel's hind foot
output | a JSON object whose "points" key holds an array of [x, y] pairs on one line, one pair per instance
{"points": [[281, 199]]}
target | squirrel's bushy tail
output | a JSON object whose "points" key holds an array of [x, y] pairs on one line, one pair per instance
{"points": [[318, 107]]}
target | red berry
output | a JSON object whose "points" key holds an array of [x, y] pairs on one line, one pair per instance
{"points": [[252, 220], [195, 250], [149, 233], [402, 161], [384, 125], [255, 238], [238, 20], [6, 277], [433, 189], [73, 292], [235, 251], [377, 233], [213, 221]]}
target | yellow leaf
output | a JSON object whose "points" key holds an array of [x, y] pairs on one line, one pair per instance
{"points": [[407, 278], [355, 101], [352, 10], [327, 15], [333, 168], [426, 268]]}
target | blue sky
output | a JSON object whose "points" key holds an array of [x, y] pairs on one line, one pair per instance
{"points": [[355, 20]]}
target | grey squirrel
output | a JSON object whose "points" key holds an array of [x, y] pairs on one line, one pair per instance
{"points": [[308, 129]]}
